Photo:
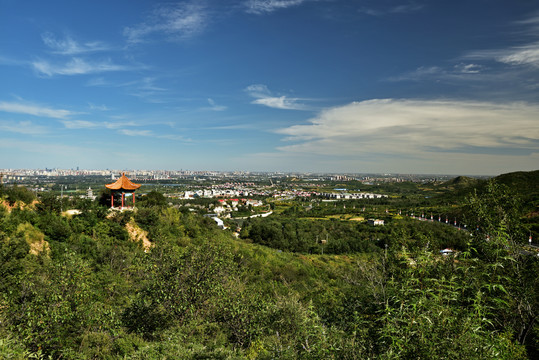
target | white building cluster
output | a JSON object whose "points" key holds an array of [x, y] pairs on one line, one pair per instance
{"points": [[352, 196]]}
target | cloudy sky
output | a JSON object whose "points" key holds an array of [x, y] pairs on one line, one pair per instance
{"points": [[449, 87]]}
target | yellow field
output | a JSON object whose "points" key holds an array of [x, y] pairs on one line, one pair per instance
{"points": [[347, 217]]}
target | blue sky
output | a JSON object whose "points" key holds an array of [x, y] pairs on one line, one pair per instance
{"points": [[448, 87]]}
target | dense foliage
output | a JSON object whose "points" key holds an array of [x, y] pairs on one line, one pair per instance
{"points": [[86, 286], [333, 236]]}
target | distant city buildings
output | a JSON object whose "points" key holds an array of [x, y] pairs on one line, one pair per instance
{"points": [[352, 196], [149, 175]]}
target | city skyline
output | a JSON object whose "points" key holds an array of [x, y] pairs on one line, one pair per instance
{"points": [[327, 86]]}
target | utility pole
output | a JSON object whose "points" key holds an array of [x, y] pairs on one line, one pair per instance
{"points": [[324, 243], [61, 198]]}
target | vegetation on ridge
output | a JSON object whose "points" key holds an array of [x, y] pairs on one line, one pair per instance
{"points": [[80, 287]]}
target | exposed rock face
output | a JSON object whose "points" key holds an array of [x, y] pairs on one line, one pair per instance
{"points": [[34, 238], [137, 234]]}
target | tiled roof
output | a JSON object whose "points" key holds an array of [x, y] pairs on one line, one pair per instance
{"points": [[123, 183]]}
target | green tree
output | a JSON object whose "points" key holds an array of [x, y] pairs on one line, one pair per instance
{"points": [[18, 193], [153, 198]]}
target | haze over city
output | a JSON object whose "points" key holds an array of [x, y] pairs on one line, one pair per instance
{"points": [[445, 87]]}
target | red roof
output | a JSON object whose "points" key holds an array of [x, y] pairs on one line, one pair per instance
{"points": [[123, 183]]}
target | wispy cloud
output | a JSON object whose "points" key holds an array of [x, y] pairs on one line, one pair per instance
{"points": [[232, 127], [522, 55], [120, 124], [132, 132], [526, 54], [152, 134], [10, 61], [399, 9], [84, 124], [461, 71], [35, 110], [98, 107], [468, 68], [68, 46], [42, 149], [145, 89], [419, 74], [214, 107], [418, 129], [173, 22], [518, 55], [99, 81], [22, 127], [76, 66], [530, 25], [80, 124], [263, 96], [268, 6]]}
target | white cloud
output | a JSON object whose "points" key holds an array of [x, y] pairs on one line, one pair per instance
{"points": [[120, 124], [268, 6], [525, 54], [461, 71], [281, 102], [420, 73], [258, 90], [519, 55], [76, 66], [399, 9], [84, 124], [35, 110], [178, 21], [22, 127], [425, 130], [68, 46], [263, 96], [98, 107], [522, 55], [131, 132], [80, 124], [149, 133], [214, 107], [468, 68], [530, 25]]}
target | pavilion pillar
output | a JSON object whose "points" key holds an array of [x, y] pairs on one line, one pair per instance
{"points": [[111, 199], [123, 200], [133, 194]]}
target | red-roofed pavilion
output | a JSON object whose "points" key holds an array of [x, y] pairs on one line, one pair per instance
{"points": [[123, 185]]}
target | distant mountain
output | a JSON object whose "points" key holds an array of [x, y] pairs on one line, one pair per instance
{"points": [[460, 182]]}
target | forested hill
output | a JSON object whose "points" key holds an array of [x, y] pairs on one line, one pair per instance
{"points": [[520, 181], [460, 182], [164, 282], [522, 184]]}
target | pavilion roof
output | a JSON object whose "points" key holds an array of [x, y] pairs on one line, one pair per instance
{"points": [[123, 183]]}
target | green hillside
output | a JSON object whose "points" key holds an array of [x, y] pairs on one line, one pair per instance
{"points": [[165, 283]]}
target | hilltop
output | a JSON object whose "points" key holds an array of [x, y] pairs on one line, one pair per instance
{"points": [[459, 182]]}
